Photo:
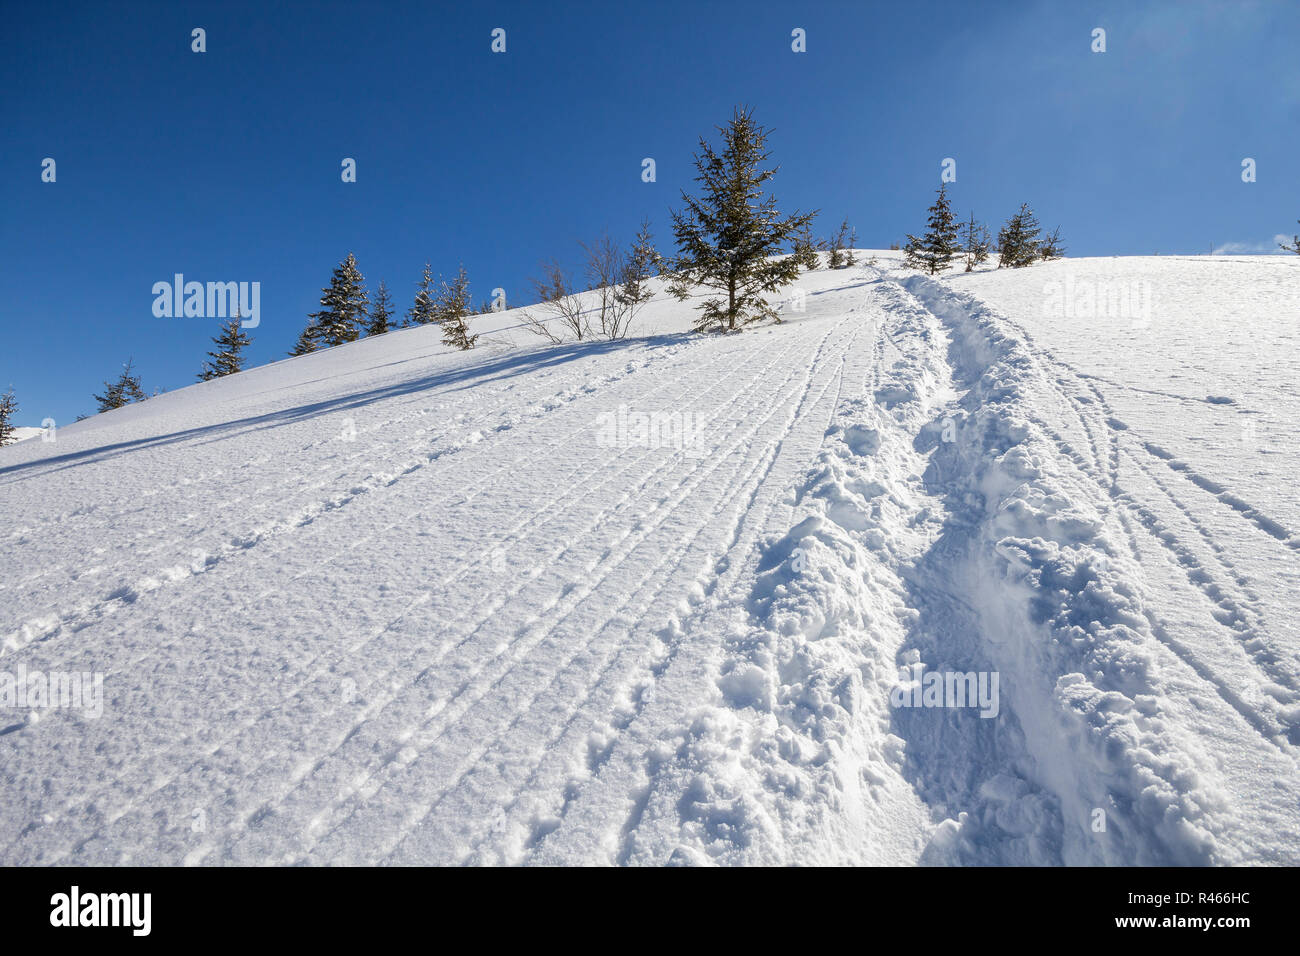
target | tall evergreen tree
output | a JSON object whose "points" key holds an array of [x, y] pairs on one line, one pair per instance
{"points": [[1018, 244], [381, 311], [343, 305], [975, 242], [727, 237], [641, 264], [934, 251], [227, 358], [452, 310], [422, 313], [8, 406], [123, 391], [1293, 245]]}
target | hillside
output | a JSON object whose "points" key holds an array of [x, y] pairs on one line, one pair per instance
{"points": [[673, 599]]}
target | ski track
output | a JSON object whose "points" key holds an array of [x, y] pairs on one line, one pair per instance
{"points": [[530, 519], [568, 652]]}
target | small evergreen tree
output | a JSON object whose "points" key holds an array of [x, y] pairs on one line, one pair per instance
{"points": [[123, 391], [343, 306], [452, 310], [641, 264], [381, 311], [807, 249], [8, 406], [306, 343], [844, 238], [975, 242], [938, 247], [422, 313], [1293, 245], [727, 237], [1018, 244], [1050, 247], [230, 343]]}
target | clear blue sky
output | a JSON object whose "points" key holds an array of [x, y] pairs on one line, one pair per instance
{"points": [[225, 165]]}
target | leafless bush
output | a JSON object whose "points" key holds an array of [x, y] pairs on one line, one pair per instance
{"points": [[558, 303], [606, 268]]}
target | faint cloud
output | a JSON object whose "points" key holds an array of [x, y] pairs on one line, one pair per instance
{"points": [[1251, 248]]}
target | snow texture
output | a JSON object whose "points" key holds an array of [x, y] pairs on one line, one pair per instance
{"points": [[657, 601]]}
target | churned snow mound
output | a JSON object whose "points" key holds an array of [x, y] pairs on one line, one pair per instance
{"points": [[955, 570]]}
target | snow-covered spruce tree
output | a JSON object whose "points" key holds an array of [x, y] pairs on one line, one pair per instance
{"points": [[343, 305], [306, 343], [227, 358], [807, 250], [452, 310], [975, 242], [381, 311], [1050, 247], [422, 313], [844, 238], [727, 237], [934, 251], [641, 264], [1293, 245], [8, 406], [1018, 244], [123, 391]]}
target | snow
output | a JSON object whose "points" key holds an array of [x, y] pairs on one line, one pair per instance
{"points": [[24, 432], [657, 601]]}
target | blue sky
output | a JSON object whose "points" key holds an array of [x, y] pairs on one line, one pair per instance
{"points": [[225, 165]]}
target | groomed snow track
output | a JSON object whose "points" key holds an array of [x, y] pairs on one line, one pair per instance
{"points": [[407, 608]]}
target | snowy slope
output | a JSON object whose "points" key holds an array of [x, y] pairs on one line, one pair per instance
{"points": [[390, 604], [24, 432]]}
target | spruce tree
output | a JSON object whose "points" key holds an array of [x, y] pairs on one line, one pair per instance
{"points": [[123, 391], [727, 237], [938, 247], [1050, 247], [306, 343], [381, 311], [8, 406], [806, 249], [343, 306], [227, 359], [1018, 244], [452, 310], [1293, 245], [975, 242], [641, 264], [422, 313], [844, 238]]}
